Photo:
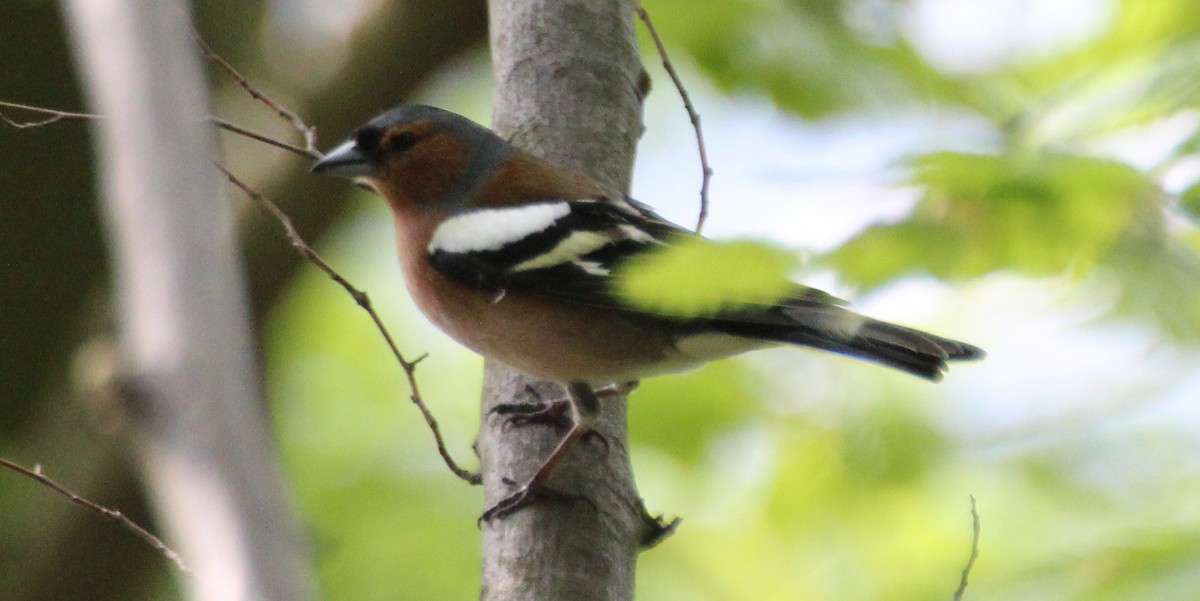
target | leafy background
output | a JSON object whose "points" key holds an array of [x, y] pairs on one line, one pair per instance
{"points": [[1022, 175]]}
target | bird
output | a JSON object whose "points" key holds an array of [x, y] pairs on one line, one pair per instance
{"points": [[519, 259]]}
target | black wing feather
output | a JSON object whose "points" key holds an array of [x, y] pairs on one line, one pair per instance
{"points": [[568, 280]]}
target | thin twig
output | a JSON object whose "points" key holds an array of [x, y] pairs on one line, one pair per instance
{"points": [[237, 129], [112, 514], [962, 583], [308, 132], [687, 104], [363, 301], [55, 115]]}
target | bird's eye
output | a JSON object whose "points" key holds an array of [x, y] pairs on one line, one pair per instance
{"points": [[367, 139], [402, 141]]}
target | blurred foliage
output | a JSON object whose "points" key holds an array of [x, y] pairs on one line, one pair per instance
{"points": [[1050, 198], [386, 517], [1189, 201], [1038, 213], [720, 389]]}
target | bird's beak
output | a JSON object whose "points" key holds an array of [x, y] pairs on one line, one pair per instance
{"points": [[345, 161]]}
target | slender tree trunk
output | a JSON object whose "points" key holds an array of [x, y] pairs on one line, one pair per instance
{"points": [[568, 88], [199, 430]]}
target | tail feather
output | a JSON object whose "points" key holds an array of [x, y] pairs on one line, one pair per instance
{"points": [[844, 332], [916, 352]]}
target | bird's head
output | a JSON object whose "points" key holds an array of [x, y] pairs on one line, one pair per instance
{"points": [[418, 155]]}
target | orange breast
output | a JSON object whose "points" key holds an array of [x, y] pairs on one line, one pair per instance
{"points": [[540, 337]]}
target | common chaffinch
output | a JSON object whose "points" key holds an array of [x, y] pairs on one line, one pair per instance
{"points": [[517, 257]]}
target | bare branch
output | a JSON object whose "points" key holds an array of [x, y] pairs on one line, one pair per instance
{"points": [[364, 301], [962, 583], [57, 115], [308, 132], [237, 129], [54, 117], [112, 514], [687, 104]]}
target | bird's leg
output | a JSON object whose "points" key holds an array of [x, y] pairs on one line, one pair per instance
{"points": [[585, 408]]}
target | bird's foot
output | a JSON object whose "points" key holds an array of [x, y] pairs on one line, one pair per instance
{"points": [[526, 496], [549, 413]]}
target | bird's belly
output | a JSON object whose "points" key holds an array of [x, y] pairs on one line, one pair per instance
{"points": [[552, 340]]}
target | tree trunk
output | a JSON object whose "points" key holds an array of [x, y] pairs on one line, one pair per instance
{"points": [[568, 88], [199, 432]]}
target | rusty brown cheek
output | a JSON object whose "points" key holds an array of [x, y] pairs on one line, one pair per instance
{"points": [[425, 173]]}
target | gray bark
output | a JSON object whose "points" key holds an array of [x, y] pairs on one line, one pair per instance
{"points": [[568, 79], [199, 430]]}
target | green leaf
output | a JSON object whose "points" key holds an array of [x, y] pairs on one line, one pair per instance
{"points": [[1038, 213], [803, 55], [700, 277]]}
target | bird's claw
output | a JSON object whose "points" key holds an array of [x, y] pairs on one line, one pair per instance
{"points": [[550, 413], [508, 505], [527, 496]]}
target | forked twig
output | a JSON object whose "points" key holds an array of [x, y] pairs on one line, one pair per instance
{"points": [[308, 132], [112, 514], [363, 301], [687, 104]]}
